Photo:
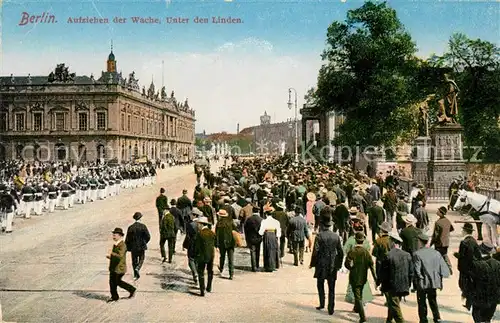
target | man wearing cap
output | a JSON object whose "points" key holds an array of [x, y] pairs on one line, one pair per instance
{"points": [[137, 240], [7, 208], [358, 262], [204, 250], [409, 235], [485, 273], [430, 269], [395, 276], [441, 236], [118, 266], [224, 241], [467, 253], [327, 259], [252, 237], [161, 204]]}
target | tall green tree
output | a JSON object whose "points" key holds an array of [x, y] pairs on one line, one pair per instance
{"points": [[367, 76], [476, 66]]}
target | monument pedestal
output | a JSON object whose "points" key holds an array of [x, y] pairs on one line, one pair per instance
{"points": [[447, 161], [420, 164]]}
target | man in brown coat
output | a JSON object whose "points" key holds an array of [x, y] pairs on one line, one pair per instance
{"points": [[284, 221], [441, 236], [118, 266]]}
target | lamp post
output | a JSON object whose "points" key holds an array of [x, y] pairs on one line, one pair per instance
{"points": [[290, 105]]}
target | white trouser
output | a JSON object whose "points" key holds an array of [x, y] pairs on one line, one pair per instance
{"points": [[111, 189], [21, 207], [28, 206], [65, 202], [83, 196], [38, 207], [117, 189], [58, 201], [92, 195], [72, 199], [52, 205], [153, 179], [7, 219], [490, 224], [147, 181], [101, 193]]}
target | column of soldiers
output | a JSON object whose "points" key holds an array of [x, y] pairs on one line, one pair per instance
{"points": [[37, 189]]}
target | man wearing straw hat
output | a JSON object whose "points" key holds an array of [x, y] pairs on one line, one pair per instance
{"points": [[409, 235], [395, 276]]}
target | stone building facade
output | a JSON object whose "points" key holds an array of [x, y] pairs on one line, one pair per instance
{"points": [[271, 138], [79, 118]]}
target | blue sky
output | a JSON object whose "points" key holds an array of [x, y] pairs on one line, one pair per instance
{"points": [[288, 36]]}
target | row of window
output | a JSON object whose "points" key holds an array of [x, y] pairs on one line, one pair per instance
{"points": [[149, 127], [59, 121]]}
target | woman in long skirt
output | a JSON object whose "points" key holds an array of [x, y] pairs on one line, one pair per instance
{"points": [[271, 251]]}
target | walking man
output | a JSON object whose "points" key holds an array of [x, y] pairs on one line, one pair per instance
{"points": [[430, 269], [225, 241], [396, 275], [118, 267], [327, 259], [298, 234], [441, 236], [252, 236], [168, 232], [204, 249], [137, 240], [161, 204]]}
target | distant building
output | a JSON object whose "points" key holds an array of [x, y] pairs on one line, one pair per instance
{"points": [[269, 138]]}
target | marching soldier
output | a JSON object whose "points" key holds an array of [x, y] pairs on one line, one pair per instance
{"points": [[93, 183], [65, 194], [84, 189], [7, 208], [39, 202], [52, 195], [27, 194]]}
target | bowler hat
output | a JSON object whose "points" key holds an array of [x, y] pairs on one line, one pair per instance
{"points": [[468, 227], [486, 248], [442, 210], [137, 216], [118, 231]]}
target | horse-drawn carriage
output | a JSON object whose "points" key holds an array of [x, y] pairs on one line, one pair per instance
{"points": [[483, 211]]}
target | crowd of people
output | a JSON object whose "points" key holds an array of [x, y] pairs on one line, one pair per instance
{"points": [[28, 189], [346, 219]]}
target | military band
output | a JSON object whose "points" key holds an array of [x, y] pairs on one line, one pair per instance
{"points": [[35, 190]]}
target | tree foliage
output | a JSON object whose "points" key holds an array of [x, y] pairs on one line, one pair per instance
{"points": [[476, 66], [368, 74]]}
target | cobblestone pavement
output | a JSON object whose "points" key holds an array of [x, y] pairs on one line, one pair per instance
{"points": [[53, 269]]}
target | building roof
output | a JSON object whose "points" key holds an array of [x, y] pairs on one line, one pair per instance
{"points": [[40, 80]]}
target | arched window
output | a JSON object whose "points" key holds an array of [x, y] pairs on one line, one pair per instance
{"points": [[82, 153], [19, 152], [101, 151], [3, 154]]}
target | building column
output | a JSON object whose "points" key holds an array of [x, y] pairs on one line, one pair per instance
{"points": [[303, 138]]}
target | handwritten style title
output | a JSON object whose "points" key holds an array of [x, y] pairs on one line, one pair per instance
{"points": [[47, 18]]}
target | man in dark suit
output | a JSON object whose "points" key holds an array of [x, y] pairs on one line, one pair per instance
{"points": [[341, 219], [298, 234], [327, 260], [252, 237], [179, 220], [396, 276], [485, 273], [441, 236], [161, 204], [375, 218], [204, 248], [281, 216], [137, 240], [118, 267], [467, 253]]}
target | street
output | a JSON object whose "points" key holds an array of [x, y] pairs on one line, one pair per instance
{"points": [[53, 269]]}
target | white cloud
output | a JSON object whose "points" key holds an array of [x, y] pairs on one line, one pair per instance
{"points": [[235, 83]]}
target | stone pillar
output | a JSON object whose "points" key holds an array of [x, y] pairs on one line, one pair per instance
{"points": [[446, 161], [303, 138], [324, 136], [419, 168]]}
